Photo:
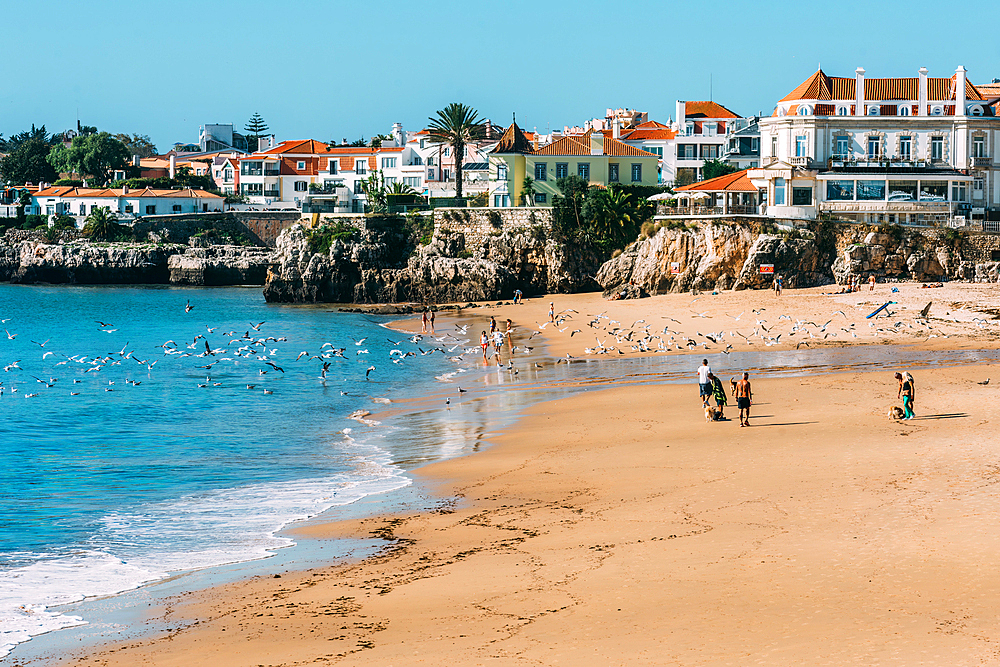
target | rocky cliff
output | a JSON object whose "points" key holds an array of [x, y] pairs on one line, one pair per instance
{"points": [[379, 263], [82, 262]]}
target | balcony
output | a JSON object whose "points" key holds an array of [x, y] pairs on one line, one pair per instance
{"points": [[272, 171], [274, 194], [981, 162], [252, 172], [799, 160]]}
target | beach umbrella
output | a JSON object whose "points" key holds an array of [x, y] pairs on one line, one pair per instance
{"points": [[661, 196]]}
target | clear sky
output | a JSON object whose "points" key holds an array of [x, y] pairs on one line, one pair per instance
{"points": [[335, 69]]}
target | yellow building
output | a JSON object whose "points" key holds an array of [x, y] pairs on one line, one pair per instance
{"points": [[598, 159]]}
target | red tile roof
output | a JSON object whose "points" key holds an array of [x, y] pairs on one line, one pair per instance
{"points": [[736, 182], [64, 191], [819, 86], [642, 134], [651, 125], [707, 110], [581, 146]]}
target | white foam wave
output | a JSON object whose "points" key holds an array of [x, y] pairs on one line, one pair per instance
{"points": [[194, 532]]}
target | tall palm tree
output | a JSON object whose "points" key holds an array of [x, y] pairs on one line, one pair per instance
{"points": [[457, 125], [101, 225]]}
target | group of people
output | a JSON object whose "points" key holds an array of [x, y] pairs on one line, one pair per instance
{"points": [[710, 386], [427, 321], [496, 338]]}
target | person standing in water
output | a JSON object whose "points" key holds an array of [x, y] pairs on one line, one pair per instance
{"points": [[423, 321]]}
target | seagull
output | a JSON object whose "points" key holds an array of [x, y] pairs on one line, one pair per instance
{"points": [[275, 367], [256, 327], [369, 371], [268, 392], [41, 344], [361, 342], [188, 306], [109, 330], [103, 324], [984, 383], [10, 336]]}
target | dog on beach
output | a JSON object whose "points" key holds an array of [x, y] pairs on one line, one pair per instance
{"points": [[895, 413], [711, 413], [732, 386]]}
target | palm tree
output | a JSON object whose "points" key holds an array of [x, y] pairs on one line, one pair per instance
{"points": [[398, 188], [456, 125], [101, 224]]}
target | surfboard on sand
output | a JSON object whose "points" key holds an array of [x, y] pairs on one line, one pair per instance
{"points": [[879, 309]]}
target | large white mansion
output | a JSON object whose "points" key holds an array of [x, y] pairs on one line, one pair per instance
{"points": [[908, 150]]}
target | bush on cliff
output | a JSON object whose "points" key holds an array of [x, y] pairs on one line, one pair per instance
{"points": [[322, 238], [101, 225], [609, 218]]}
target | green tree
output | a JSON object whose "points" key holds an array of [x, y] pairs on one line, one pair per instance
{"points": [[714, 168], [94, 155], [375, 192], [377, 140], [398, 188], [567, 207], [137, 144], [28, 162], [457, 125], [255, 129], [101, 225], [40, 133], [528, 190]]}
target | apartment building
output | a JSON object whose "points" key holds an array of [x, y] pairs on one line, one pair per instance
{"points": [[81, 202], [918, 150], [701, 129]]}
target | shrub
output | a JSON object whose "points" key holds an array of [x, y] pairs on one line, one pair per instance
{"points": [[648, 229], [321, 239]]}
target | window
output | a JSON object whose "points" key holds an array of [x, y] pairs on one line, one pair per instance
{"points": [[430, 161], [359, 187], [977, 186], [902, 190], [562, 170], [332, 166], [873, 110], [774, 146], [300, 186], [656, 150], [83, 209], [937, 149], [253, 189], [388, 163], [251, 168], [802, 196], [430, 175], [978, 146], [151, 209], [502, 172], [842, 146], [874, 148], [905, 144], [389, 180], [128, 208], [903, 110], [50, 209], [501, 201], [583, 170], [300, 165], [176, 208], [636, 173], [612, 173], [803, 110], [959, 191], [689, 128], [541, 198], [686, 152], [412, 181], [541, 171], [800, 146], [933, 190], [839, 190], [841, 111], [871, 190], [779, 192], [228, 174], [361, 166], [447, 152], [417, 160], [755, 145], [446, 174], [331, 184], [709, 151]]}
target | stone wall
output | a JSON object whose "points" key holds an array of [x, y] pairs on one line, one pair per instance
{"points": [[259, 227], [477, 224]]}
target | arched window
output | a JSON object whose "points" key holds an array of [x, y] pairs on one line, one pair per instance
{"points": [[873, 110], [804, 110], [976, 110], [841, 111], [903, 110]]}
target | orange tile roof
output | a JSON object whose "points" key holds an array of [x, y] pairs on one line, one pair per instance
{"points": [[819, 86], [650, 125], [581, 146], [64, 191], [989, 90], [735, 182], [642, 134], [707, 110], [514, 140]]}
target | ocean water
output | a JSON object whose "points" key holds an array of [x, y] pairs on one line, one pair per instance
{"points": [[123, 463]]}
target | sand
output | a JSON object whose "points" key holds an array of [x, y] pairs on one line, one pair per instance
{"points": [[618, 527]]}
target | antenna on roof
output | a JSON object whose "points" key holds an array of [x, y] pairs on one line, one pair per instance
{"points": [[513, 118]]}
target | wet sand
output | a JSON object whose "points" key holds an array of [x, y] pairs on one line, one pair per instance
{"points": [[618, 527]]}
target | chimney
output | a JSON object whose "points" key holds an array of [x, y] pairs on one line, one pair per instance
{"points": [[397, 134], [173, 166], [596, 143], [859, 92], [136, 161], [489, 128], [922, 100], [616, 131], [960, 91], [681, 119], [125, 190]]}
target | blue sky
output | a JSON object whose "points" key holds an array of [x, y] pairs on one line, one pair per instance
{"points": [[330, 70]]}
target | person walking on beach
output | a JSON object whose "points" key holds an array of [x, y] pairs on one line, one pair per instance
{"points": [[704, 382], [906, 392], [432, 320], [507, 335], [484, 342], [517, 296], [871, 283], [493, 325], [719, 393], [744, 399], [552, 311], [497, 346], [423, 321]]}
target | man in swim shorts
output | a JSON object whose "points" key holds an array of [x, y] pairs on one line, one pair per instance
{"points": [[704, 382], [744, 398]]}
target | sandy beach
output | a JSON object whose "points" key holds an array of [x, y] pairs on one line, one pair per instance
{"points": [[618, 527]]}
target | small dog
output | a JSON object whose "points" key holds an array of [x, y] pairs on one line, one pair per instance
{"points": [[732, 386], [895, 413], [710, 414]]}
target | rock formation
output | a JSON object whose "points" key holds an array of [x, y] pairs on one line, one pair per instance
{"points": [[220, 265], [379, 263]]}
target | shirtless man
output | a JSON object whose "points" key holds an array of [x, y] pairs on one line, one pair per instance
{"points": [[744, 397]]}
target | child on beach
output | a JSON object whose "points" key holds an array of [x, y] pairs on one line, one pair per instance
{"points": [[497, 346], [517, 296], [906, 392]]}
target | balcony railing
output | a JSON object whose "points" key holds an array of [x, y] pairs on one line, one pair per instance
{"points": [[272, 172], [982, 161], [799, 160], [252, 172], [272, 193]]}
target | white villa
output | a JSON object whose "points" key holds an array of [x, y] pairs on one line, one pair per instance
{"points": [[80, 202], [908, 150]]}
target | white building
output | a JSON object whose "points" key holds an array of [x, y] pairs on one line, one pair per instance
{"points": [[81, 202], [908, 150], [701, 135]]}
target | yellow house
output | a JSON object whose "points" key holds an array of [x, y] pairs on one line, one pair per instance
{"points": [[598, 159]]}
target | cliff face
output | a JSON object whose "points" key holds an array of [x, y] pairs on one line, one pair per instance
{"points": [[85, 263], [379, 265]]}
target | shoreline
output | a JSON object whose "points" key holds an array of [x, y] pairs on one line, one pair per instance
{"points": [[425, 592], [346, 528]]}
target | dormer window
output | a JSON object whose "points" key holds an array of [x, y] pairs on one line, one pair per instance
{"points": [[300, 165], [903, 110], [841, 111], [804, 110], [976, 110], [873, 110]]}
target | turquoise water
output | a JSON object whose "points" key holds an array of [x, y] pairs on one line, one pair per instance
{"points": [[102, 490]]}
